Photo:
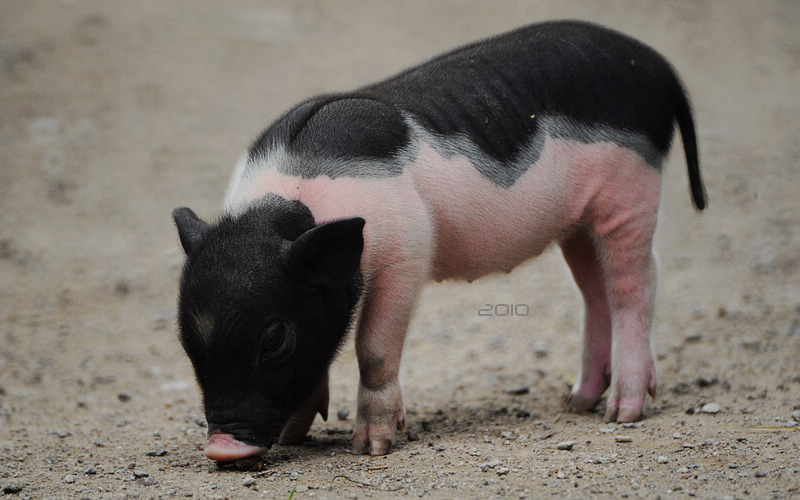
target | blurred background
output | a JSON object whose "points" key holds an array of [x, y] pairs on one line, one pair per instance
{"points": [[114, 113]]}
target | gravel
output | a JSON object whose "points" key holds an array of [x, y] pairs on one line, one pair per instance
{"points": [[565, 445]]}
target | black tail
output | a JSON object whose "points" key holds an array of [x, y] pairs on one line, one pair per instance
{"points": [[683, 114]]}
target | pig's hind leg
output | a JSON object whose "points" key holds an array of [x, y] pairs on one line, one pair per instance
{"points": [[582, 255], [623, 219]]}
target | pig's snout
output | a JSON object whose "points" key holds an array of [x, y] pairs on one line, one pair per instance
{"points": [[231, 437], [223, 447]]}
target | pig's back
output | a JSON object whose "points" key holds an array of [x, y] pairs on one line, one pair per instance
{"points": [[493, 91]]}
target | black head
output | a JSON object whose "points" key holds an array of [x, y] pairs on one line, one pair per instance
{"points": [[266, 298]]}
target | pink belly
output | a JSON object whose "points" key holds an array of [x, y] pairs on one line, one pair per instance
{"points": [[481, 227]]}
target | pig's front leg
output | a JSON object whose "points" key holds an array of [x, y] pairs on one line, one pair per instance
{"points": [[379, 345], [317, 402]]}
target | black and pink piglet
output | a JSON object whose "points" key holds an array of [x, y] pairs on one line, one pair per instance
{"points": [[469, 164]]}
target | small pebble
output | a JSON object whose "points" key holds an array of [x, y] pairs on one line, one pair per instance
{"points": [[492, 464], [147, 481], [157, 453], [140, 474], [69, 478], [712, 408], [540, 349], [63, 433], [90, 471], [677, 435], [12, 489], [796, 415], [124, 396], [502, 471], [249, 481], [623, 439], [661, 459], [342, 414], [519, 391], [692, 335], [565, 445]]}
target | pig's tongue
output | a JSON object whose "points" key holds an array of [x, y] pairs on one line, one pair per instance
{"points": [[224, 448]]}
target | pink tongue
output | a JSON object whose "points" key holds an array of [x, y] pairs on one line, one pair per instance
{"points": [[224, 447]]}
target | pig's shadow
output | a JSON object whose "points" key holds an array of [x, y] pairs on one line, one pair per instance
{"points": [[495, 421]]}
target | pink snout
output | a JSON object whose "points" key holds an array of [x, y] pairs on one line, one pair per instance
{"points": [[224, 447]]}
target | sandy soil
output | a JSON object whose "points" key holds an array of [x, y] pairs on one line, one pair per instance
{"points": [[113, 113]]}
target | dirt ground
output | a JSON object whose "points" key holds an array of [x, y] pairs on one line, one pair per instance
{"points": [[114, 113]]}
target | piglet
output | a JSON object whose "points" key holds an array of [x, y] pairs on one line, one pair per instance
{"points": [[466, 165]]}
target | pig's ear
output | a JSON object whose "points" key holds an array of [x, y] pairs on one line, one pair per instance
{"points": [[190, 228], [328, 254]]}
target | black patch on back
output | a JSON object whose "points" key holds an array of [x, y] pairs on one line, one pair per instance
{"points": [[326, 132], [493, 93]]}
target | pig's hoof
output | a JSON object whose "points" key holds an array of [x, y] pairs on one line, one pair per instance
{"points": [[627, 409], [582, 403], [623, 414], [370, 441], [376, 439], [380, 413], [626, 401]]}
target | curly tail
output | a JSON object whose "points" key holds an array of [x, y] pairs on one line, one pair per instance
{"points": [[683, 114]]}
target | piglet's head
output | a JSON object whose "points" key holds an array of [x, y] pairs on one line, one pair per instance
{"points": [[266, 298]]}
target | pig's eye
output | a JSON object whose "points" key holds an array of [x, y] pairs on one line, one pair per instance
{"points": [[277, 343]]}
